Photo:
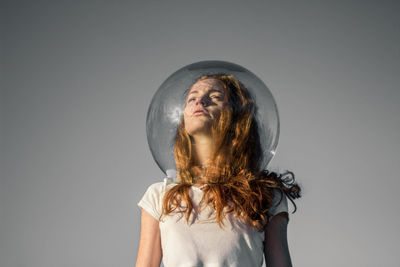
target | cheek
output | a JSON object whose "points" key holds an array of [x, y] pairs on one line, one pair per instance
{"points": [[186, 116], [217, 113], [188, 108], [186, 112]]}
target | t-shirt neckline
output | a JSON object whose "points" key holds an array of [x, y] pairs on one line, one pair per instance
{"points": [[193, 187]]}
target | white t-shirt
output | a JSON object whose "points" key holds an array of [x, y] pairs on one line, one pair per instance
{"points": [[203, 242]]}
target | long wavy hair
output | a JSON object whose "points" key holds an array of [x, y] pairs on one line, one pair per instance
{"points": [[233, 180]]}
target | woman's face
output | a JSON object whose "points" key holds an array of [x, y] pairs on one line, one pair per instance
{"points": [[204, 102]]}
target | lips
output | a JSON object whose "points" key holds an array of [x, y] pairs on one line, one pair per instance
{"points": [[199, 111]]}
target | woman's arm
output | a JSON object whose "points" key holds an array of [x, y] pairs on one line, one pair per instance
{"points": [[150, 252], [276, 248]]}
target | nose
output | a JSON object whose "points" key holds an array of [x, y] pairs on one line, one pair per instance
{"points": [[201, 100]]}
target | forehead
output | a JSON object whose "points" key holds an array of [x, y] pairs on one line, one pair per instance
{"points": [[207, 84]]}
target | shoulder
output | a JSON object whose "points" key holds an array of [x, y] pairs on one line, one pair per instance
{"points": [[151, 201], [279, 203], [155, 187], [278, 195], [159, 188]]}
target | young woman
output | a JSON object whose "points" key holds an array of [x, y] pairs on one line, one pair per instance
{"points": [[221, 210]]}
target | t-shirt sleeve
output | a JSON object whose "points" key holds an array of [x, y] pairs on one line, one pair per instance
{"points": [[152, 200], [279, 204]]}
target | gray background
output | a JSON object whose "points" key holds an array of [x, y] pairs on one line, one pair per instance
{"points": [[76, 81]]}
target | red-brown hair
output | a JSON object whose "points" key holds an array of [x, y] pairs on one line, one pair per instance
{"points": [[233, 178]]}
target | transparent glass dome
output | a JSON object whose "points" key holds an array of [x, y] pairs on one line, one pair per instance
{"points": [[166, 110]]}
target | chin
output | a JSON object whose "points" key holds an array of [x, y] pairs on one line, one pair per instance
{"points": [[198, 130]]}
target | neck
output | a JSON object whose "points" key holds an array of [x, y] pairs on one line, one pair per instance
{"points": [[202, 146]]}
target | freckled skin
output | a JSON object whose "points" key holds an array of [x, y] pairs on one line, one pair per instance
{"points": [[206, 94]]}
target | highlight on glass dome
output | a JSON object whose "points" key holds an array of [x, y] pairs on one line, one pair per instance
{"points": [[167, 106]]}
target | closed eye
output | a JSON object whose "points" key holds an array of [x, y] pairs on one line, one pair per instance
{"points": [[216, 97]]}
